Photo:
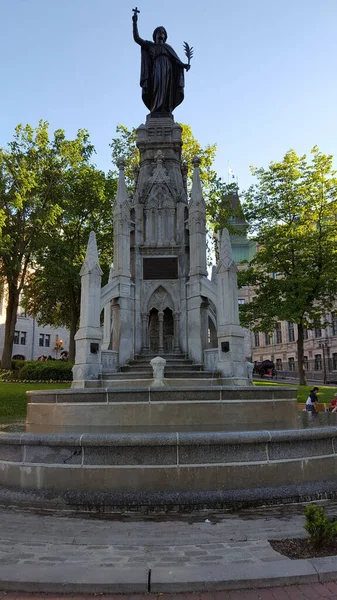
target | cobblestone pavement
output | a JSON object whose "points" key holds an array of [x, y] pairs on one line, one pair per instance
{"points": [[290, 592], [127, 542], [189, 540]]}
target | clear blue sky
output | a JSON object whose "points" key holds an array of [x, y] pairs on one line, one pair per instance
{"points": [[263, 76]]}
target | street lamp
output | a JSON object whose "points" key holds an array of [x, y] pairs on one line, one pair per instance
{"points": [[325, 350], [58, 346]]}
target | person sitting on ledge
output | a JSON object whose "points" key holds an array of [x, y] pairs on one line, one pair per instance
{"points": [[333, 405], [311, 404]]}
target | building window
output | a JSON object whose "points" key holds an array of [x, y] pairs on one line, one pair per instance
{"points": [[318, 332], [305, 362], [267, 339], [291, 332], [305, 334], [318, 362], [291, 363], [334, 323], [278, 334], [44, 339], [241, 300], [279, 366], [20, 337], [334, 361], [256, 340]]}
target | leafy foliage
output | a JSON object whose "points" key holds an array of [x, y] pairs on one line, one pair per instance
{"points": [[292, 212], [318, 525], [32, 193], [53, 289], [53, 370]]}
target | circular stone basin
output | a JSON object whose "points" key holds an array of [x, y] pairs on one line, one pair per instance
{"points": [[164, 468], [197, 446]]}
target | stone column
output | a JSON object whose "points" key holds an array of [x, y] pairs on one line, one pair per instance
{"points": [[160, 228], [170, 220], [145, 331], [161, 331], [89, 336], [115, 331], [107, 326], [148, 218], [231, 351], [176, 320], [197, 225]]}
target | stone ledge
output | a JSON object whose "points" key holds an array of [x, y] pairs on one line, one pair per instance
{"points": [[72, 579], [232, 576], [38, 578], [167, 438]]}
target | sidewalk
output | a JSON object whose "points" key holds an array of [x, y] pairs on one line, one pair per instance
{"points": [[294, 592], [176, 553]]}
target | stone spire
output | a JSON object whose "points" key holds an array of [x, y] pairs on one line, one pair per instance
{"points": [[121, 212], [197, 224], [197, 199], [225, 250], [122, 192], [91, 261]]}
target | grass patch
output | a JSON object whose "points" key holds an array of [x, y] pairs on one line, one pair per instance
{"points": [[13, 400], [325, 394]]}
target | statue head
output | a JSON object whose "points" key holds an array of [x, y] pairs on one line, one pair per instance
{"points": [[159, 35]]}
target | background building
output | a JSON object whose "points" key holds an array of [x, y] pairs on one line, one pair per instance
{"points": [[320, 344], [32, 340]]}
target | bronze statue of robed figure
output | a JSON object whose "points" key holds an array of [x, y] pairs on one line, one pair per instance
{"points": [[162, 71]]}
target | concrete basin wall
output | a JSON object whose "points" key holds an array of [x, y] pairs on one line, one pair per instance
{"points": [[195, 465], [150, 407]]}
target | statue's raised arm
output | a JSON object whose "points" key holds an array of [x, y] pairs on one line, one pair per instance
{"points": [[136, 37], [162, 71]]}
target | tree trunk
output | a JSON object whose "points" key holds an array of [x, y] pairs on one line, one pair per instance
{"points": [[11, 313], [300, 354], [72, 331]]}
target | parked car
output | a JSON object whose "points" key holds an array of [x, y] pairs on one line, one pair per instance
{"points": [[266, 368]]}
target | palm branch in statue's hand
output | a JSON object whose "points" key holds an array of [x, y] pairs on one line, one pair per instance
{"points": [[189, 53]]}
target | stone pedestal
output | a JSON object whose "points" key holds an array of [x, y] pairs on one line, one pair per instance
{"points": [[158, 366]]}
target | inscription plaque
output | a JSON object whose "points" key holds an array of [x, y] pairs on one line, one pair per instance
{"points": [[160, 268]]}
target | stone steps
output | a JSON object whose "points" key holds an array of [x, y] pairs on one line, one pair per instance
{"points": [[148, 374], [147, 357], [169, 361], [168, 368]]}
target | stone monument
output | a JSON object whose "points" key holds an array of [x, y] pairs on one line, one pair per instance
{"points": [[159, 300], [175, 431]]}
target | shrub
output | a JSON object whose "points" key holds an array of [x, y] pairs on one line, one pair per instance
{"points": [[17, 364], [53, 370], [318, 525]]}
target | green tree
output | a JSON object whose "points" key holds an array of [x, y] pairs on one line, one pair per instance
{"points": [[53, 290], [32, 169], [292, 212]]}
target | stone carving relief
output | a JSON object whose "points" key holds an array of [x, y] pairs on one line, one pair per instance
{"points": [[160, 300]]}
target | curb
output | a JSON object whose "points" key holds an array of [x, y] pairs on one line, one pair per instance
{"points": [[43, 578]]}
